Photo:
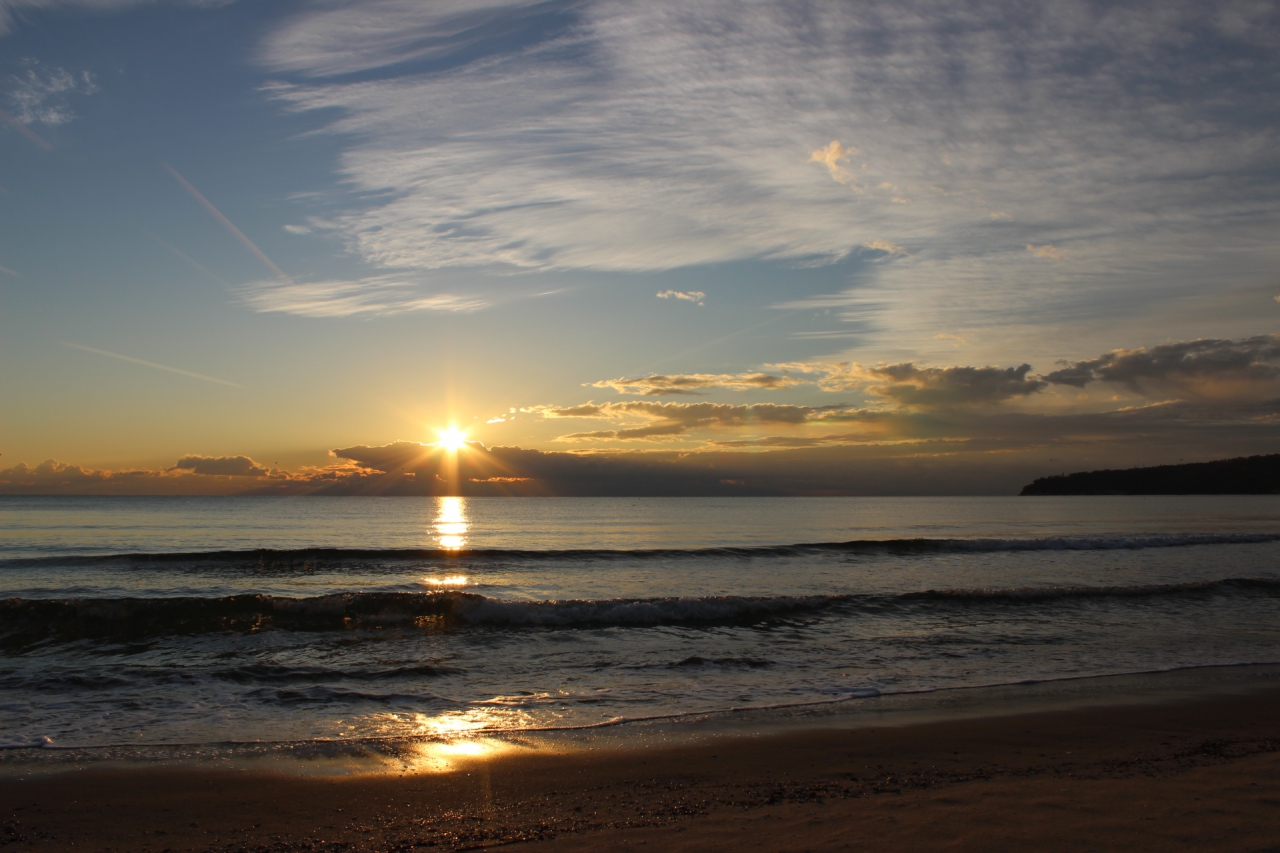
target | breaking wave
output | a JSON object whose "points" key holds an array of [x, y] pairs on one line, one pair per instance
{"points": [[271, 558], [24, 622]]}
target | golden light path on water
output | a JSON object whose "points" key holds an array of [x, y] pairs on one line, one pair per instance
{"points": [[451, 523], [453, 737], [447, 757], [456, 735], [447, 580]]}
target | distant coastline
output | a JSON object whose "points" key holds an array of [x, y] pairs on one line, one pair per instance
{"points": [[1251, 475]]}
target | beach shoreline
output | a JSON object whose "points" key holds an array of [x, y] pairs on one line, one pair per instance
{"points": [[1170, 769]]}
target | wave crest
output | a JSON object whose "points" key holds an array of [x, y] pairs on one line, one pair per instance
{"points": [[263, 559], [26, 622]]}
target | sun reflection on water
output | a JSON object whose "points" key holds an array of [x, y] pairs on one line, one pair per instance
{"points": [[455, 736], [451, 523], [447, 580], [448, 757], [455, 724]]}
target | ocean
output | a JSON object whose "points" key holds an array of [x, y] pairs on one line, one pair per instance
{"points": [[139, 626]]}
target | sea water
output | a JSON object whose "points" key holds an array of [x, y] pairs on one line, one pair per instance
{"points": [[139, 623]]}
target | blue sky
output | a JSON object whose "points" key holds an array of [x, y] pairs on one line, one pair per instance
{"points": [[268, 231]]}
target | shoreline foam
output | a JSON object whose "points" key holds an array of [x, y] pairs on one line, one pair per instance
{"points": [[1193, 764], [860, 709]]}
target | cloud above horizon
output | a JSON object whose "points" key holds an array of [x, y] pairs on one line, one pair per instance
{"points": [[907, 384], [221, 466], [1202, 367], [926, 387], [1240, 369], [668, 420]]}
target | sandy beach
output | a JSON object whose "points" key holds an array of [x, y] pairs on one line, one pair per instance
{"points": [[1175, 775]]}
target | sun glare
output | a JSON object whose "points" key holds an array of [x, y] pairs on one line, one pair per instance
{"points": [[452, 439]]}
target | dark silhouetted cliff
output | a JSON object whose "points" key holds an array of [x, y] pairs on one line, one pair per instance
{"points": [[1253, 475]]}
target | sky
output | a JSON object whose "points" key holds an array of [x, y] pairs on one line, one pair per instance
{"points": [[633, 248]]}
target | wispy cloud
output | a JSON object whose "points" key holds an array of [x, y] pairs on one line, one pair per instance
{"points": [[588, 147], [41, 94], [373, 296], [10, 8], [828, 335], [657, 385], [886, 246], [357, 37], [152, 364], [1047, 252], [32, 137], [688, 296]]}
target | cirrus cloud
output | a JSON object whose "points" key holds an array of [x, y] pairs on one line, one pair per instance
{"points": [[41, 95], [615, 136], [688, 296], [371, 296], [658, 385]]}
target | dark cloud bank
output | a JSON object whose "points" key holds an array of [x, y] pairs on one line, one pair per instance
{"points": [[1206, 366]]}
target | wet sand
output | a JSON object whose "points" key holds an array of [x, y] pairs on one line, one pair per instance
{"points": [[1178, 775]]}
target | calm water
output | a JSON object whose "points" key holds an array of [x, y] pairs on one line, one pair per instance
{"points": [[145, 621]]}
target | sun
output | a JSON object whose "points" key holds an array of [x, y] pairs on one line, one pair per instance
{"points": [[452, 439]]}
